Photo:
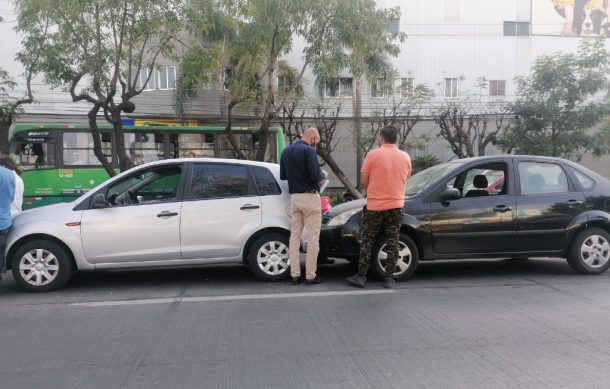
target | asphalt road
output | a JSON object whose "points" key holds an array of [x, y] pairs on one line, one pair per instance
{"points": [[480, 324]]}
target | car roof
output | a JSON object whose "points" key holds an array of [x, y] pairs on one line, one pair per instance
{"points": [[210, 160], [512, 156]]}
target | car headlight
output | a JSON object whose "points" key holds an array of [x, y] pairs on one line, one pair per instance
{"points": [[343, 217]]}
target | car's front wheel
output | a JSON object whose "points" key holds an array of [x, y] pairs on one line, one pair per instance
{"points": [[590, 251], [41, 266], [408, 258], [268, 257]]}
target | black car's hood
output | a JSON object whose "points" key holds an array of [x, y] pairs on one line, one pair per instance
{"points": [[360, 203]]}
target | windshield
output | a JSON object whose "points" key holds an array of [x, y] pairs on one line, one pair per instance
{"points": [[422, 180]]}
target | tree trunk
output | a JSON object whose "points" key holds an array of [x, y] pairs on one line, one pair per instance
{"points": [[125, 162], [222, 93], [358, 128], [5, 124], [327, 157], [263, 132], [97, 140], [228, 129]]}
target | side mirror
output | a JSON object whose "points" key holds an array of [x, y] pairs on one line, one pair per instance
{"points": [[450, 194], [99, 201]]}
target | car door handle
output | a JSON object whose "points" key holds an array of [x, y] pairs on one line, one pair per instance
{"points": [[249, 206], [167, 214], [502, 208], [573, 203]]}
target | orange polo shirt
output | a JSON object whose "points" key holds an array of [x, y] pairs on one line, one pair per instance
{"points": [[388, 168]]}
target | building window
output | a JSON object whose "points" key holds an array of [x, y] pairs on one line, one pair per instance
{"points": [[167, 77], [162, 78], [516, 28], [380, 88], [451, 87], [407, 87], [142, 83], [497, 87], [339, 87]]}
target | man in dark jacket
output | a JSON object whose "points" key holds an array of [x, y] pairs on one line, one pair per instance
{"points": [[299, 165]]}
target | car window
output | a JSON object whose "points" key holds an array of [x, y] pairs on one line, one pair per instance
{"points": [[265, 182], [482, 181], [151, 186], [541, 177], [487, 179], [423, 180], [212, 181], [585, 181]]}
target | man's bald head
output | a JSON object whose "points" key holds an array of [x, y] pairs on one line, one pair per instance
{"points": [[311, 136]]}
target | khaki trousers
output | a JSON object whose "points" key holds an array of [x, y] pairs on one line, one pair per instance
{"points": [[306, 213]]}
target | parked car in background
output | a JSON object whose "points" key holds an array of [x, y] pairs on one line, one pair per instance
{"points": [[538, 206], [175, 212]]}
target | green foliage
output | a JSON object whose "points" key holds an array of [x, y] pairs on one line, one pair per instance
{"points": [[559, 104], [422, 163], [7, 101], [356, 39], [99, 45]]}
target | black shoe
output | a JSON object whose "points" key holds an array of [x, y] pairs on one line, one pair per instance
{"points": [[357, 280], [388, 282], [314, 281], [296, 280]]}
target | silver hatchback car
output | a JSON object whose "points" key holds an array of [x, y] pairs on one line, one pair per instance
{"points": [[168, 213]]}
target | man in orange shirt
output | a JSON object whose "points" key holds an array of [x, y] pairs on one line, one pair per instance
{"points": [[384, 176]]}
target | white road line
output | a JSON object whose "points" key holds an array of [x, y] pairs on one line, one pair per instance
{"points": [[229, 298]]}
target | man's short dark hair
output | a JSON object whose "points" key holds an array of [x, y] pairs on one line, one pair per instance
{"points": [[389, 134]]}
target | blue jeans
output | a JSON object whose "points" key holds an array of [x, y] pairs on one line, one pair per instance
{"points": [[3, 235]]}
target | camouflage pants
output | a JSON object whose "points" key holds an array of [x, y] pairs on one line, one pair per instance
{"points": [[380, 223]]}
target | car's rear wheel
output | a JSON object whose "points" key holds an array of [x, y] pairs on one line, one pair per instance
{"points": [[41, 266], [268, 257], [408, 258], [590, 251]]}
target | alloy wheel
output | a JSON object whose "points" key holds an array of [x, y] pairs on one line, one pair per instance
{"points": [[273, 258], [404, 258], [595, 251], [39, 267]]}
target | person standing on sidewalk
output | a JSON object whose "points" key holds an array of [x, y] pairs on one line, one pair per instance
{"points": [[384, 175], [299, 165], [7, 193], [8, 162]]}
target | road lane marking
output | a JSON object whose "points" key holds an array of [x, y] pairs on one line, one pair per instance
{"points": [[238, 297]]}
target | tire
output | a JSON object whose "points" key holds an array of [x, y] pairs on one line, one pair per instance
{"points": [[268, 257], [590, 251], [407, 261], [41, 266]]}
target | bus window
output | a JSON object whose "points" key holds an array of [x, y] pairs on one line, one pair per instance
{"points": [[245, 142], [78, 148], [191, 145], [248, 143], [33, 155], [144, 148]]}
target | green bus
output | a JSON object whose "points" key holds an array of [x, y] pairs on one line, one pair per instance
{"points": [[58, 163]]}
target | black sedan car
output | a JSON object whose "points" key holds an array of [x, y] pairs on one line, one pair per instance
{"points": [[490, 207]]}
